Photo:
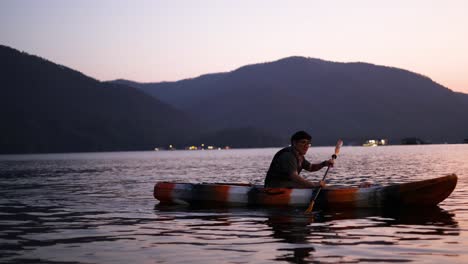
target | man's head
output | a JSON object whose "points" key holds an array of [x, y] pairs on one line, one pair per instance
{"points": [[301, 141]]}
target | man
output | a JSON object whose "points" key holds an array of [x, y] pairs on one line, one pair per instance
{"points": [[289, 162]]}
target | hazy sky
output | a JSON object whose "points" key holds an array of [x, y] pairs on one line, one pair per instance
{"points": [[150, 41]]}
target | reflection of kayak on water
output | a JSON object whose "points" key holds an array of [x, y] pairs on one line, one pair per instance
{"points": [[419, 193], [299, 237], [289, 217]]}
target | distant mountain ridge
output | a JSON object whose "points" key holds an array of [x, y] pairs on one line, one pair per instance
{"points": [[347, 100], [180, 93], [45, 107]]}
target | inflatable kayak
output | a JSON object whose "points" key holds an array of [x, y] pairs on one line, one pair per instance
{"points": [[419, 193]]}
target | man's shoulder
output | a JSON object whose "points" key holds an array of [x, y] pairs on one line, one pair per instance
{"points": [[286, 153], [286, 149]]}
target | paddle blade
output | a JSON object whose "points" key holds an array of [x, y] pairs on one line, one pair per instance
{"points": [[338, 146], [309, 209]]}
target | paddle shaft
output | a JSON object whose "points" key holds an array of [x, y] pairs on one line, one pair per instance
{"points": [[337, 150], [320, 188]]}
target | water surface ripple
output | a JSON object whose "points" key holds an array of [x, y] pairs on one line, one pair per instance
{"points": [[98, 208]]}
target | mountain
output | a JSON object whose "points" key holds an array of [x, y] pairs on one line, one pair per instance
{"points": [[182, 93], [463, 97], [353, 101], [46, 107]]}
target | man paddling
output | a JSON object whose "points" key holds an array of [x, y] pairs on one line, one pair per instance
{"points": [[288, 163]]}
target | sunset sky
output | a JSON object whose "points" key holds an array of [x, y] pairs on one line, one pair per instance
{"points": [[152, 41]]}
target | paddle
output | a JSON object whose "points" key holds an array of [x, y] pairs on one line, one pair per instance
{"points": [[334, 156]]}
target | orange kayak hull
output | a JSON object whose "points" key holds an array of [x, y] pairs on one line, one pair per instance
{"points": [[419, 193]]}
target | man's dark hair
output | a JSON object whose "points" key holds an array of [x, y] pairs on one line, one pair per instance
{"points": [[300, 135]]}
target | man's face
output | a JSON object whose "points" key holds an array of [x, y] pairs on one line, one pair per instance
{"points": [[302, 146]]}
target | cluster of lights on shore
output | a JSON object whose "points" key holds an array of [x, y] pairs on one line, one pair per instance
{"points": [[375, 142], [193, 147]]}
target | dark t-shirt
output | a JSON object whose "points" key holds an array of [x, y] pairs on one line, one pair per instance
{"points": [[284, 164]]}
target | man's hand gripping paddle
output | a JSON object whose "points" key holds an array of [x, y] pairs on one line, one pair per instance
{"points": [[334, 156]]}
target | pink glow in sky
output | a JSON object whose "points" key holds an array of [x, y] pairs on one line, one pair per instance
{"points": [[152, 41]]}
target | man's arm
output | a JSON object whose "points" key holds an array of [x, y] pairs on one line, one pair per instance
{"points": [[319, 166], [305, 183]]}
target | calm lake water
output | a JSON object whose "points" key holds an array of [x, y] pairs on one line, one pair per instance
{"points": [[99, 208]]}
